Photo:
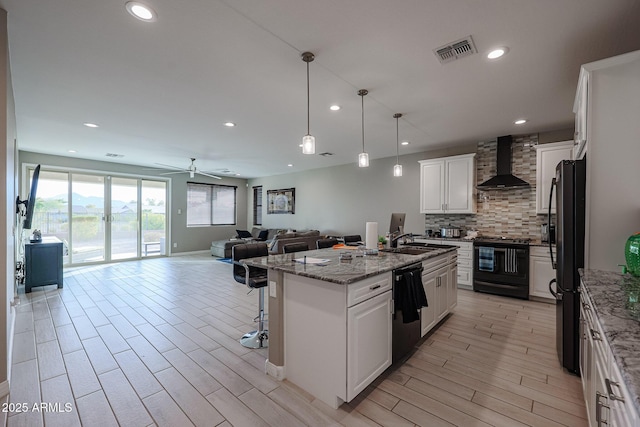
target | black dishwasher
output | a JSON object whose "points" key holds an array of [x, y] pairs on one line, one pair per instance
{"points": [[404, 335]]}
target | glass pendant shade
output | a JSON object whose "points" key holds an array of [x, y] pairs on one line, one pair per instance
{"points": [[363, 160], [308, 144], [308, 141], [397, 168]]}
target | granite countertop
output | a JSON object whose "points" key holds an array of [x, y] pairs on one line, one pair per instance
{"points": [[341, 271], [616, 301]]}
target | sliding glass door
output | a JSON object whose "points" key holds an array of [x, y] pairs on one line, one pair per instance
{"points": [[154, 218], [88, 218], [123, 218], [100, 217]]}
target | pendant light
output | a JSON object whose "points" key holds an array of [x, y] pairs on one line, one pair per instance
{"points": [[397, 168], [363, 158], [308, 141]]}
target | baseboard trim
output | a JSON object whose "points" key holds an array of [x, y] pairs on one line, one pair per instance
{"points": [[206, 251], [274, 370], [4, 388], [12, 328]]}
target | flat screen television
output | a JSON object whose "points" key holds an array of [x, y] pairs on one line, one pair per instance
{"points": [[31, 201], [397, 223]]}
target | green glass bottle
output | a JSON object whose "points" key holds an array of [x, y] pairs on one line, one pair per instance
{"points": [[632, 254]]}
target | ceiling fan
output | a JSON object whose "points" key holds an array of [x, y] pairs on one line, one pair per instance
{"points": [[192, 170]]}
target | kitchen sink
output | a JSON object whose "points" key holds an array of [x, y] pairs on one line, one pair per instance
{"points": [[410, 250], [427, 245]]}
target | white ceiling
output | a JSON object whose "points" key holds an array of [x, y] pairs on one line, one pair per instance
{"points": [[161, 91]]}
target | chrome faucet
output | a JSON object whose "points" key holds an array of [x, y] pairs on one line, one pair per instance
{"points": [[394, 240]]}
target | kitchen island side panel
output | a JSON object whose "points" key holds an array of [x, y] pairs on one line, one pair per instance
{"points": [[315, 332], [613, 172]]}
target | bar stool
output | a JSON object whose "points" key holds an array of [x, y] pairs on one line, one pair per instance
{"points": [[254, 278], [295, 247]]}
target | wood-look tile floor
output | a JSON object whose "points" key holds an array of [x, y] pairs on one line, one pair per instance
{"points": [[155, 342]]}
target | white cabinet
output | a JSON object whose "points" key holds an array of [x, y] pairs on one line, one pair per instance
{"points": [[540, 272], [612, 129], [337, 338], [607, 398], [439, 279], [368, 342], [547, 158], [448, 185], [580, 109], [464, 276], [428, 314]]}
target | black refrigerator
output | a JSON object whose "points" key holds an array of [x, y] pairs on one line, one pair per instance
{"points": [[570, 225]]}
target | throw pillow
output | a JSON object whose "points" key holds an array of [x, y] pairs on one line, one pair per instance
{"points": [[262, 236], [244, 234]]}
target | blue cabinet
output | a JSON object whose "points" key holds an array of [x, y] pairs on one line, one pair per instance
{"points": [[43, 263]]}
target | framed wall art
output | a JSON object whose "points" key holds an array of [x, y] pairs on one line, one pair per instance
{"points": [[281, 201]]}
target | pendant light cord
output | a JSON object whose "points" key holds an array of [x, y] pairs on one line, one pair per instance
{"points": [[308, 102], [397, 139], [362, 97]]}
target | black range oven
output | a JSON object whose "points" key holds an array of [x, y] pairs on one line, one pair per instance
{"points": [[501, 266]]}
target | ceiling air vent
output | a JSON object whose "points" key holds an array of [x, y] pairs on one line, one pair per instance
{"points": [[455, 50], [114, 155]]}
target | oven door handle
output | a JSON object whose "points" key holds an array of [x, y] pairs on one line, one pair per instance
{"points": [[556, 295]]}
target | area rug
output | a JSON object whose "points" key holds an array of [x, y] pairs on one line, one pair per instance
{"points": [[225, 260]]}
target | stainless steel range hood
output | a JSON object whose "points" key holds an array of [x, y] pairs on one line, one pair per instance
{"points": [[503, 179]]}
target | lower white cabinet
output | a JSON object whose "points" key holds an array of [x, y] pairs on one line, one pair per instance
{"points": [[464, 277], [541, 272], [607, 399], [368, 342], [439, 281], [337, 338]]}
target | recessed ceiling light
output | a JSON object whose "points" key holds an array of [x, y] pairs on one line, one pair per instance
{"points": [[229, 124], [72, 151], [404, 143], [334, 107], [290, 165], [141, 11], [90, 125], [520, 122], [497, 53]]}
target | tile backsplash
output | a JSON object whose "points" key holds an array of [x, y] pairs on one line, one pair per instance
{"points": [[508, 213]]}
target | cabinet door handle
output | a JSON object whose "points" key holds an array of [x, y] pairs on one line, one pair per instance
{"points": [[374, 287], [593, 335], [599, 406], [612, 396]]}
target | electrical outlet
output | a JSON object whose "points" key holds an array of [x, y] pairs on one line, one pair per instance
{"points": [[179, 211], [175, 245], [272, 289]]}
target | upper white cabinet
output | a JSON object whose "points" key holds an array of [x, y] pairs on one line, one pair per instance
{"points": [[547, 158], [580, 109], [448, 185]]}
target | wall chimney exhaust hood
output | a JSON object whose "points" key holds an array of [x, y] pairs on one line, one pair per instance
{"points": [[503, 179]]}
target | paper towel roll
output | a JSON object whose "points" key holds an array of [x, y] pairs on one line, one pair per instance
{"points": [[371, 239]]}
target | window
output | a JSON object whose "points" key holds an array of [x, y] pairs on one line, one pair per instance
{"points": [[257, 205], [209, 204]]}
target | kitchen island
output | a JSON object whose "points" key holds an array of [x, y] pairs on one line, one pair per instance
{"points": [[610, 346], [330, 324]]}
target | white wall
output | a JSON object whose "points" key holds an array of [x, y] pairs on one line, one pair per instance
{"points": [[340, 200], [613, 163], [189, 239], [7, 205]]}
